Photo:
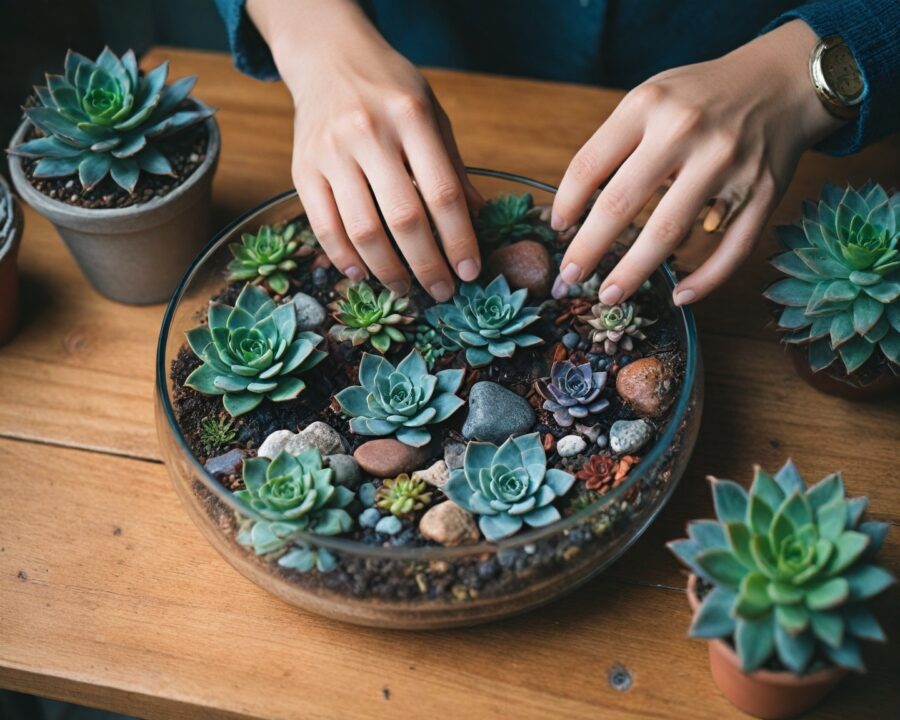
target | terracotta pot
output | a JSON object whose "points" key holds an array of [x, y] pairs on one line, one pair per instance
{"points": [[764, 693], [9, 270], [848, 387], [135, 254]]}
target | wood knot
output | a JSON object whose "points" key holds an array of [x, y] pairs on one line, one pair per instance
{"points": [[77, 341]]}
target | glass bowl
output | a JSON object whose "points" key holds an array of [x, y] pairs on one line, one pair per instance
{"points": [[434, 586]]}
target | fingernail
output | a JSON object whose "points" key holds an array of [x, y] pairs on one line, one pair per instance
{"points": [[559, 289], [467, 269], [355, 273], [611, 295], [571, 273], [440, 291], [399, 286], [683, 297], [556, 222]]}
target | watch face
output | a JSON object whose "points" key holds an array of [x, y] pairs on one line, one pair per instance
{"points": [[842, 73]]}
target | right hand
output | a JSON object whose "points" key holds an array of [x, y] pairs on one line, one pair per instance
{"points": [[366, 118]]}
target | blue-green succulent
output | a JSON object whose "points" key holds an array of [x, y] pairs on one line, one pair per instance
{"points": [[791, 569], [252, 351], [509, 486], [400, 400], [488, 322]]}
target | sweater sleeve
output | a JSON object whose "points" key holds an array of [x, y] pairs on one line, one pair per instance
{"points": [[871, 29], [249, 50]]}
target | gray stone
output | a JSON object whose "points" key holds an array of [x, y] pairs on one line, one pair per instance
{"points": [[389, 525], [571, 445], [366, 494], [369, 518], [309, 311], [449, 524], [226, 464], [495, 413], [437, 475], [453, 454], [591, 432], [629, 436], [571, 340], [602, 441], [319, 435], [346, 469], [320, 277], [275, 443]]}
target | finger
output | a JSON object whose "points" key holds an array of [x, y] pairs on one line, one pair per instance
{"points": [[325, 221], [444, 197], [737, 243], [365, 230], [608, 148], [624, 195], [473, 197], [669, 223]]}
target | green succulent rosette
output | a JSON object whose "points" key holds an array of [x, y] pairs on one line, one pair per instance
{"points": [[362, 316], [103, 117], [510, 217], [267, 256], [509, 486], [488, 322], [402, 400], [252, 351], [791, 569]]}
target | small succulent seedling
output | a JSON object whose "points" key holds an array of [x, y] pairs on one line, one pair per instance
{"points": [[791, 569], [216, 433], [362, 315], [402, 495], [266, 257], [841, 299], [400, 400], [572, 391], [508, 486], [103, 117], [510, 217], [488, 322], [615, 326], [252, 351], [427, 341]]}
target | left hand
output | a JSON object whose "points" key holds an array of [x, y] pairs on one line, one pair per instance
{"points": [[732, 128]]}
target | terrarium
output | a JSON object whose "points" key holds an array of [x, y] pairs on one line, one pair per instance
{"points": [[391, 461]]}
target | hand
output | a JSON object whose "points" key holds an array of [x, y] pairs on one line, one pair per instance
{"points": [[366, 118], [731, 129]]}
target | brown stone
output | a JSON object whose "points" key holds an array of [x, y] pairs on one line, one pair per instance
{"points": [[646, 386], [448, 524], [525, 264], [386, 457]]}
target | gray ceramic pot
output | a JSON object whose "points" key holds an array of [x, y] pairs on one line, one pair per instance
{"points": [[10, 238], [137, 254]]}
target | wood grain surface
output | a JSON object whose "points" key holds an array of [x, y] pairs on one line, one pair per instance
{"points": [[111, 598]]}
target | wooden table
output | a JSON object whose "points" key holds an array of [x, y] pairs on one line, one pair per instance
{"points": [[110, 597]]}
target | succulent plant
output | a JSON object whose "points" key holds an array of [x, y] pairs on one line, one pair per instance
{"points": [[509, 486], [216, 433], [402, 495], [251, 351], [6, 214], [616, 325], [400, 401], [841, 298], [573, 391], [361, 315], [791, 568], [604, 473], [102, 117], [268, 255], [427, 341], [489, 322], [510, 217]]}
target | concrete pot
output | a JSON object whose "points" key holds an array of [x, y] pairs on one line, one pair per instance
{"points": [[137, 254], [764, 694], [848, 387], [9, 270]]}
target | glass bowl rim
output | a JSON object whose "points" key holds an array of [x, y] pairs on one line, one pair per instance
{"points": [[428, 553]]}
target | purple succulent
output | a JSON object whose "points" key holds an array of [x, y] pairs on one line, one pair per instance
{"points": [[573, 391]]}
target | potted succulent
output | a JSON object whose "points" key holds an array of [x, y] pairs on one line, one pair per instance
{"points": [[779, 586], [122, 165], [838, 307], [10, 236]]}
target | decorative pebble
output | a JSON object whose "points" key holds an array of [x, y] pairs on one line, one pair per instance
{"points": [[226, 464], [309, 311], [453, 454], [571, 445], [387, 457], [602, 441], [366, 494], [525, 264], [437, 475], [389, 525], [591, 432], [448, 524], [319, 435], [320, 277], [646, 385], [495, 413], [571, 340], [346, 469], [629, 436], [369, 517], [274, 443]]}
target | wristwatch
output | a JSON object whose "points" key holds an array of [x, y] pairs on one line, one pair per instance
{"points": [[836, 77]]}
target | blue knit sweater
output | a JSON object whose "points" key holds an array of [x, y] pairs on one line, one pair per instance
{"points": [[617, 43]]}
